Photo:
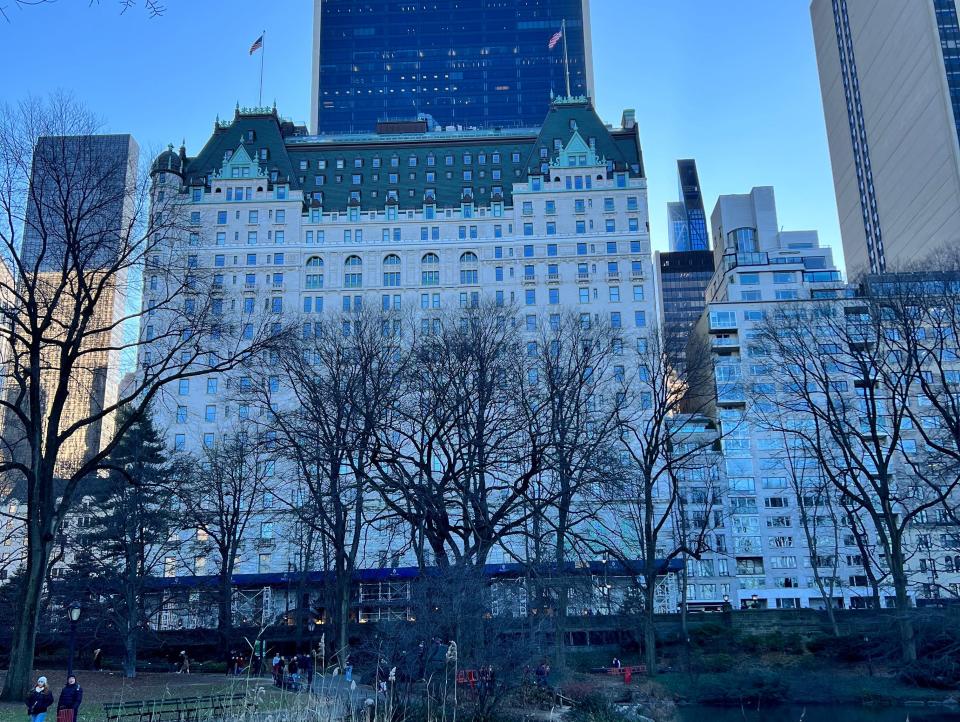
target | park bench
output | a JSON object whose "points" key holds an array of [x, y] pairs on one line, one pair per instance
{"points": [[184, 709], [619, 671]]}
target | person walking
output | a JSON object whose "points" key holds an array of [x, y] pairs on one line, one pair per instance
{"points": [[275, 667], [68, 704], [98, 659], [39, 700], [184, 663]]}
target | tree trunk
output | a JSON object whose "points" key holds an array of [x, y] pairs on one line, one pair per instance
{"points": [[908, 642], [132, 607], [343, 619], [563, 591], [649, 631], [20, 671], [225, 616], [130, 653]]}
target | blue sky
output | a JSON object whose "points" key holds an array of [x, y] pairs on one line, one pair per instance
{"points": [[732, 83]]}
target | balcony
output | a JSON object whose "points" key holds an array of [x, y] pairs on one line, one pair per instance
{"points": [[553, 278], [249, 286], [529, 279], [725, 343], [614, 277], [583, 277]]}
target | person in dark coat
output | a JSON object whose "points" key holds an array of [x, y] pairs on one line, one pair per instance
{"points": [[39, 700], [70, 698]]}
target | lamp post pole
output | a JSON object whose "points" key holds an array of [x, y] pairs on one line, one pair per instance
{"points": [[73, 612]]}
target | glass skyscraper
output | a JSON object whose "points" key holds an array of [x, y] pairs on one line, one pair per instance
{"points": [[684, 276], [687, 220], [472, 63]]}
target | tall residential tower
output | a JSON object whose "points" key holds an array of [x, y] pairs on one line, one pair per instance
{"points": [[890, 80]]}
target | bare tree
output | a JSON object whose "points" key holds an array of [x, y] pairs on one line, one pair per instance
{"points": [[850, 391], [574, 397], [74, 229], [664, 434], [459, 456], [153, 8], [328, 402], [221, 493]]}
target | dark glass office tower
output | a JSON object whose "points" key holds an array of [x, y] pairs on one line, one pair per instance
{"points": [[684, 276], [472, 63], [697, 238]]}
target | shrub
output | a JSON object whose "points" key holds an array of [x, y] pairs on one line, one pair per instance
{"points": [[594, 708], [753, 688], [942, 673], [714, 663], [713, 637]]}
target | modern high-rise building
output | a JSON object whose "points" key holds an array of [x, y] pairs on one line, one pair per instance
{"points": [[682, 278], [688, 220], [100, 171], [467, 63], [685, 271], [890, 81]]}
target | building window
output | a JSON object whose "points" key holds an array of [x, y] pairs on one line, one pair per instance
{"points": [[354, 273], [391, 270], [430, 269]]}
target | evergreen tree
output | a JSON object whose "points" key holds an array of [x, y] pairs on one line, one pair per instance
{"points": [[129, 535]]}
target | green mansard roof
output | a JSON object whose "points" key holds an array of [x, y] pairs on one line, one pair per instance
{"points": [[288, 146]]}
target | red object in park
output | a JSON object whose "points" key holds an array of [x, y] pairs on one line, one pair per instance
{"points": [[627, 675]]}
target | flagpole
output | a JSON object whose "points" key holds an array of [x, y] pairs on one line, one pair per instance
{"points": [[566, 61], [263, 50]]}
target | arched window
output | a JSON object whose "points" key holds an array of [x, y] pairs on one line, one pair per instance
{"points": [[391, 270], [314, 278], [353, 278], [469, 275], [430, 273]]}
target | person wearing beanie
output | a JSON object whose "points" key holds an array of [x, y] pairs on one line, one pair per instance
{"points": [[68, 705], [39, 700]]}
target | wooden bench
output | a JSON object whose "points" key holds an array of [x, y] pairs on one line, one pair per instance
{"points": [[620, 671], [183, 709]]}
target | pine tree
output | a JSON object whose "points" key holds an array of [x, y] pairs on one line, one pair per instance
{"points": [[130, 534]]}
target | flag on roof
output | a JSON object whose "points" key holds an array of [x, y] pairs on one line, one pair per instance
{"points": [[554, 39], [257, 44]]}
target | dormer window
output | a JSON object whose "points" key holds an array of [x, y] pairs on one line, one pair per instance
{"points": [[251, 136]]}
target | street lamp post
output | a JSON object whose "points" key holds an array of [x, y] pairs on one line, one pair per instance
{"points": [[73, 613]]}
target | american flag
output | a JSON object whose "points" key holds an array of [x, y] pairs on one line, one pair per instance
{"points": [[257, 44], [554, 39]]}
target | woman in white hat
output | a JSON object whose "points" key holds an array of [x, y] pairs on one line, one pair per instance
{"points": [[39, 700]]}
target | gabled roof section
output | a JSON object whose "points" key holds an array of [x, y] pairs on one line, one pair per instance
{"points": [[576, 116], [577, 153], [240, 165], [257, 129]]}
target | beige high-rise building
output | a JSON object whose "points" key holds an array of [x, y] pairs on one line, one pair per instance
{"points": [[105, 168], [890, 81]]}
